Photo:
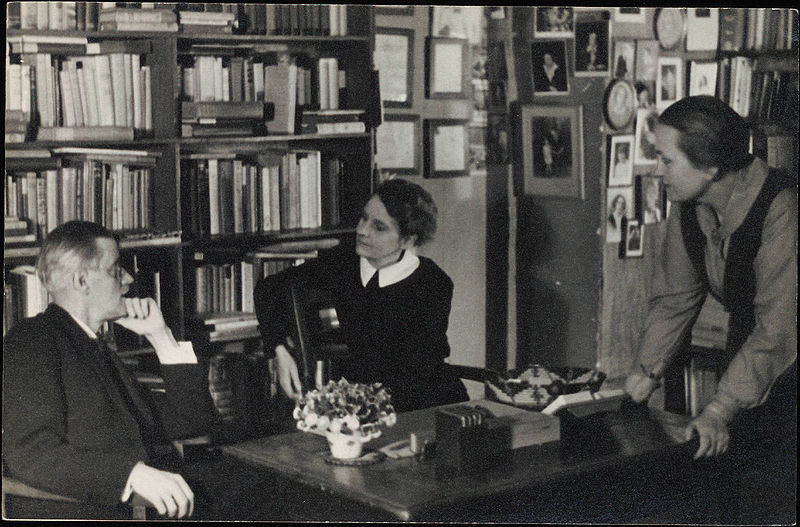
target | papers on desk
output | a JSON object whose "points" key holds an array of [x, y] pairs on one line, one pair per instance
{"points": [[586, 403]]}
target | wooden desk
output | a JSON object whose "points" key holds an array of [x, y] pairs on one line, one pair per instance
{"points": [[622, 466]]}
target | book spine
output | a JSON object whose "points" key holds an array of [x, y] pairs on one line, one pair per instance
{"points": [[105, 90], [213, 196], [238, 212], [147, 98]]}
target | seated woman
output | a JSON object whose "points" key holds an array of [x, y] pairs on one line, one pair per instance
{"points": [[393, 306]]}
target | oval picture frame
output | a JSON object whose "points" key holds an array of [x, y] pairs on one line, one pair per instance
{"points": [[619, 103], [669, 26]]}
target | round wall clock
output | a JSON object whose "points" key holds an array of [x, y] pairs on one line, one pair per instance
{"points": [[670, 26], [619, 103]]}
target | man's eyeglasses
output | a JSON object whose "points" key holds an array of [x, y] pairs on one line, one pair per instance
{"points": [[116, 271]]}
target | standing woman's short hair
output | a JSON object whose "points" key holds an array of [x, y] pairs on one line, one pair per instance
{"points": [[712, 134], [66, 248], [411, 206]]}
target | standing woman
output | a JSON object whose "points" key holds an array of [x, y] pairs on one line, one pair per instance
{"points": [[733, 233], [393, 306]]}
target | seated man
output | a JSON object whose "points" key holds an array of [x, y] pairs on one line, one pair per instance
{"points": [[74, 421]]}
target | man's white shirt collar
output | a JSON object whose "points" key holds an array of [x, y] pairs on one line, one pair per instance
{"points": [[391, 274], [82, 324]]}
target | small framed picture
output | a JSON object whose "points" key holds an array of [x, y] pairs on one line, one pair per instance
{"points": [[552, 150], [395, 10], [446, 148], [669, 83], [397, 144], [669, 25], [633, 15], [624, 57], [619, 209], [619, 103], [457, 21], [633, 239], [620, 163], [553, 22], [394, 60], [702, 78], [645, 93], [650, 199], [647, 52], [592, 45], [448, 68], [645, 141], [549, 67]]}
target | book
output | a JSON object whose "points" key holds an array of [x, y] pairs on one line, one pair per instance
{"points": [[138, 26], [136, 47], [585, 403], [121, 14], [280, 88], [193, 111]]}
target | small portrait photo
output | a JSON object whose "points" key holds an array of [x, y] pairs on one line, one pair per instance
{"points": [[591, 48], [620, 164], [651, 199], [624, 56], [702, 78], [645, 93], [645, 151], [497, 95], [647, 52], [549, 67], [552, 22], [619, 209], [669, 83], [633, 239], [552, 147]]}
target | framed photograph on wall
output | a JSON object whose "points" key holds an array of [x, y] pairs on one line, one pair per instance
{"points": [[633, 15], [553, 22], [394, 60], [457, 21], [619, 209], [448, 68], [446, 148], [647, 52], [619, 103], [669, 83], [624, 59], [552, 150], [620, 163], [592, 55], [645, 136], [633, 239], [650, 199], [395, 10], [702, 78], [398, 139], [549, 67]]}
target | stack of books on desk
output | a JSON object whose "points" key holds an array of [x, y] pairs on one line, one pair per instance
{"points": [[224, 325]]}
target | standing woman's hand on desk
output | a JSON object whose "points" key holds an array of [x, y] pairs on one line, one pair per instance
{"points": [[287, 372]]}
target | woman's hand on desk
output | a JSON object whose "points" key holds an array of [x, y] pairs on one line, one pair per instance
{"points": [[712, 432], [287, 372]]}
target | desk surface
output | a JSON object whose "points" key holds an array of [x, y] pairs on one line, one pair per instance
{"points": [[408, 489]]}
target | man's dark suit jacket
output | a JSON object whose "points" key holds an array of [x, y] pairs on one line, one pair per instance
{"points": [[68, 428]]}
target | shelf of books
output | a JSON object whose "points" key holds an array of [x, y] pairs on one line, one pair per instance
{"points": [[187, 129]]}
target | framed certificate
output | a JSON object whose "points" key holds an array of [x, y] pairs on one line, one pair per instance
{"points": [[619, 103], [446, 148], [670, 26], [394, 59], [448, 68], [398, 138]]}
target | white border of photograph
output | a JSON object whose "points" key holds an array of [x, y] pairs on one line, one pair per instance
{"points": [[615, 236], [677, 63], [699, 70], [636, 18], [634, 253], [553, 34], [614, 179], [642, 115]]}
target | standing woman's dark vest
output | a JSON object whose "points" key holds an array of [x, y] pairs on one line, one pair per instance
{"points": [[739, 282]]}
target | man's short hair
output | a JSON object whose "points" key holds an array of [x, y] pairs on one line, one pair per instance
{"points": [[68, 247]]}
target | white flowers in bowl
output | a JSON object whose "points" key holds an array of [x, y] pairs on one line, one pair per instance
{"points": [[341, 407]]}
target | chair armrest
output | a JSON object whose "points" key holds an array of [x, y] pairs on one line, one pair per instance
{"points": [[14, 487]]}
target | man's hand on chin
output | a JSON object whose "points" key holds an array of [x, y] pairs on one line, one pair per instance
{"points": [[142, 316]]}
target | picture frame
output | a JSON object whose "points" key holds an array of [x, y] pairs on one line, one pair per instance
{"points": [[645, 140], [624, 59], [619, 103], [553, 22], [395, 10], [647, 53], [620, 161], [650, 199], [702, 29], [446, 145], [703, 78], [394, 60], [552, 151], [633, 15], [669, 83], [592, 48], [448, 68], [549, 68], [669, 26], [619, 210], [397, 144], [634, 239], [645, 93], [457, 21]]}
